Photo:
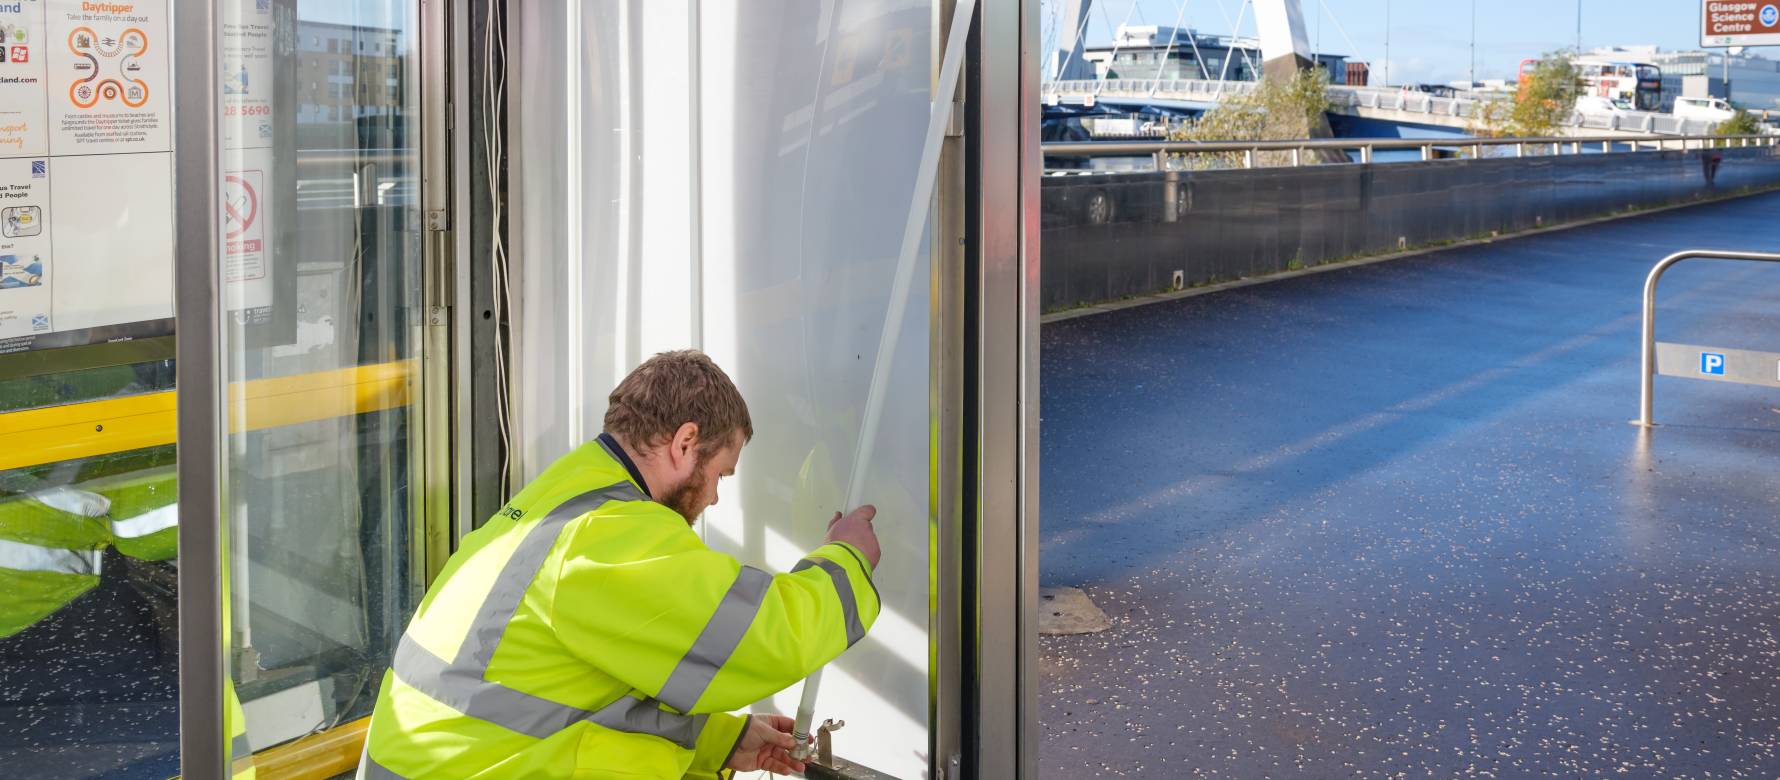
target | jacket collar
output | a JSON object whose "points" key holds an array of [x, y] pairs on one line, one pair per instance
{"points": [[612, 447]]}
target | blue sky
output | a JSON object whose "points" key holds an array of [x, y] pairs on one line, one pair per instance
{"points": [[1431, 39]]}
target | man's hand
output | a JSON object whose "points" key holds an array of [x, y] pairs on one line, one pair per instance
{"points": [[855, 529], [766, 744]]}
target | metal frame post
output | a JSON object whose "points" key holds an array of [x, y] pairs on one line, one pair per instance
{"points": [[203, 664], [1001, 428], [1647, 367]]}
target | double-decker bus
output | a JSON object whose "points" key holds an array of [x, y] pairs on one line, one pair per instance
{"points": [[1633, 86]]}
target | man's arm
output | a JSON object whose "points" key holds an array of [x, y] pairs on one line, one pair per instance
{"points": [[702, 633]]}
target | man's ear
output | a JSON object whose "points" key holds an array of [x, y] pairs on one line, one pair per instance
{"points": [[684, 445]]}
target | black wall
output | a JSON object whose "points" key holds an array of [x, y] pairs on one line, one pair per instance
{"points": [[1109, 236]]}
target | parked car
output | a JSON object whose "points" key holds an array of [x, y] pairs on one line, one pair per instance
{"points": [[1712, 109], [1595, 105]]}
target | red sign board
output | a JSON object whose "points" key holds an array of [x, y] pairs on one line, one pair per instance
{"points": [[1740, 23]]}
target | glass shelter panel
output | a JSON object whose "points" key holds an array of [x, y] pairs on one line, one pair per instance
{"points": [[320, 262], [745, 190]]}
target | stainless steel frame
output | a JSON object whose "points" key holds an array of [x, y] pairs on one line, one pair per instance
{"points": [[1004, 182], [1647, 366], [946, 627], [462, 516], [203, 663], [1159, 150], [435, 453]]}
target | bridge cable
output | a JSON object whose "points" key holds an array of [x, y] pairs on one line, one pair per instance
{"points": [[1173, 33], [1080, 29], [1343, 30], [1236, 35], [1224, 73], [1193, 38], [1113, 58]]}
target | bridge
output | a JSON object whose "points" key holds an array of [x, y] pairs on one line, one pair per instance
{"points": [[1418, 111]]}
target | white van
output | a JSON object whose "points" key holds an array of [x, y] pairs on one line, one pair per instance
{"points": [[1714, 109]]}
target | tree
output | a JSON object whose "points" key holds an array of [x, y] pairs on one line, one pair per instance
{"points": [[1271, 111], [1547, 96], [1743, 123]]}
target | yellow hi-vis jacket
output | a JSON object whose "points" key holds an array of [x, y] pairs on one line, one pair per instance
{"points": [[588, 632]]}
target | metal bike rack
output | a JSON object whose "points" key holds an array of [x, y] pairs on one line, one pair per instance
{"points": [[1744, 369]]}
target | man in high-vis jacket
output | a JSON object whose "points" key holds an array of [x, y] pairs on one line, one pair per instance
{"points": [[587, 631]]}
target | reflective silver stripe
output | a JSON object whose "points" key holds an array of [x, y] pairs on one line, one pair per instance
{"points": [[462, 683], [516, 576], [240, 755], [369, 769], [844, 588], [717, 641], [72, 501], [533, 715], [19, 556], [144, 524]]}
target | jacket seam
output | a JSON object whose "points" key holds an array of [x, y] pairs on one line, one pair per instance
{"points": [[863, 568], [747, 720]]}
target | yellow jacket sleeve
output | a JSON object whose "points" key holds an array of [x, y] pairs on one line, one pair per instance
{"points": [[694, 628], [716, 743]]}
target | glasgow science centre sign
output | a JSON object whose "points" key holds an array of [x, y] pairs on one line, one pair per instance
{"points": [[1740, 23]]}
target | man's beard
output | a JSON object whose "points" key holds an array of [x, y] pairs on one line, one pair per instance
{"points": [[681, 498]]}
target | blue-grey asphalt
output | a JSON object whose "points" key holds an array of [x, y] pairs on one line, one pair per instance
{"points": [[1392, 520]]}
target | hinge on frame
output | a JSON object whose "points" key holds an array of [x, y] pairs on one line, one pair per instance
{"points": [[439, 267]]}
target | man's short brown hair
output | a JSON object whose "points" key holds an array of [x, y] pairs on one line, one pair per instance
{"points": [[670, 390]]}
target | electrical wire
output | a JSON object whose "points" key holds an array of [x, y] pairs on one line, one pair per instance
{"points": [[494, 83]]}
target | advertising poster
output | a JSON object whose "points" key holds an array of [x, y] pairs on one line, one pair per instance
{"points": [[247, 75], [25, 265], [24, 104], [108, 77]]}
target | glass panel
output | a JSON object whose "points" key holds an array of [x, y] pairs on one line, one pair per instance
{"points": [[751, 200], [321, 262]]}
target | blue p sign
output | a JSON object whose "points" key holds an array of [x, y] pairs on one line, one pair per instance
{"points": [[1712, 363]]}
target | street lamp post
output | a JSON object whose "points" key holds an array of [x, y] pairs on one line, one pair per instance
{"points": [[1473, 84], [1578, 26]]}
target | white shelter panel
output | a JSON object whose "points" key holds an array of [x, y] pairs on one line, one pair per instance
{"points": [[737, 177]]}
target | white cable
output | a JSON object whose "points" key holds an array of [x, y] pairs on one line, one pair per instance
{"points": [[920, 206], [494, 81], [1338, 28]]}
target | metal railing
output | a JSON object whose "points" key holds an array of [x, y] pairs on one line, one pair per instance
{"points": [[1350, 99], [1161, 151], [1648, 365]]}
